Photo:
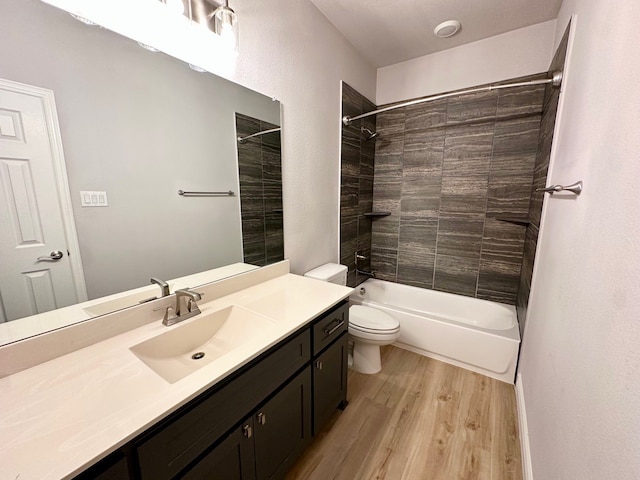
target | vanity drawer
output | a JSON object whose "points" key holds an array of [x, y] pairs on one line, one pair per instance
{"points": [[179, 441], [330, 326]]}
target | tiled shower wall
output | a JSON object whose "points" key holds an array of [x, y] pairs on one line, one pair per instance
{"points": [[356, 185], [456, 175], [259, 166], [550, 108]]}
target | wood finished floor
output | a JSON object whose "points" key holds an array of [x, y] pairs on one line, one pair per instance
{"points": [[418, 419]]}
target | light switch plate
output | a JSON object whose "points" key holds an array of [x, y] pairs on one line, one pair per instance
{"points": [[93, 199]]}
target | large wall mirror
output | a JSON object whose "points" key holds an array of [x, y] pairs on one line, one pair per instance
{"points": [[136, 127]]}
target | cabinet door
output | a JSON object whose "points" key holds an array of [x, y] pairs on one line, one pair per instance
{"points": [[114, 467], [329, 382], [283, 427], [230, 460]]}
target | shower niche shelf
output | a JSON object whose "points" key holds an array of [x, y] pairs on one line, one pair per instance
{"points": [[374, 215], [516, 220]]}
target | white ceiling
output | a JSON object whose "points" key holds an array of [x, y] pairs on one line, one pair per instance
{"points": [[392, 31]]}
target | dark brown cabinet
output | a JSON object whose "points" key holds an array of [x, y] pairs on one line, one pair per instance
{"points": [[114, 467], [329, 382], [232, 459], [283, 428], [254, 424]]}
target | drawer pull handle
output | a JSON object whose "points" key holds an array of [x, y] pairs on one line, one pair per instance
{"points": [[262, 418], [247, 431], [318, 364], [329, 331]]}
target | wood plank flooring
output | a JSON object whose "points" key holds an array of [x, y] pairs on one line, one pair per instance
{"points": [[418, 419]]}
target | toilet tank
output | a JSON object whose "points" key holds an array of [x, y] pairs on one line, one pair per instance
{"points": [[329, 272]]}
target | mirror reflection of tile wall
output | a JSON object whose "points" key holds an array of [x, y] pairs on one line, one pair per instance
{"points": [[259, 164]]}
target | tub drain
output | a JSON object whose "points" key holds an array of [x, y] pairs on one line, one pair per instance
{"points": [[197, 355]]}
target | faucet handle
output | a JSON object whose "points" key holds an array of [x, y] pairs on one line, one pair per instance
{"points": [[190, 302], [195, 296], [169, 314]]}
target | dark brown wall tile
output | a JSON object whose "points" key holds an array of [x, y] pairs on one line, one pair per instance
{"points": [[467, 150], [349, 188], [420, 195], [384, 233], [356, 192], [509, 197], [444, 170], [502, 241], [385, 263], [426, 116], [472, 107], [418, 235], [498, 281], [460, 235], [456, 275], [464, 194], [520, 101], [416, 270], [516, 138]]}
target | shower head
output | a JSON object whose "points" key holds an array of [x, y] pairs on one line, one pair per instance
{"points": [[370, 134]]}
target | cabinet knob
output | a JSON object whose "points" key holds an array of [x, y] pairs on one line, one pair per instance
{"points": [[262, 418], [318, 364], [247, 431]]}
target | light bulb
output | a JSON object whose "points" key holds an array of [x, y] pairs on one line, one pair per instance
{"points": [[226, 26]]}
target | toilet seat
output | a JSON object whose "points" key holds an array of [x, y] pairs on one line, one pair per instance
{"points": [[371, 321]]}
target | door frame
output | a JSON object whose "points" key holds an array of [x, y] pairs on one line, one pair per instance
{"points": [[47, 99]]}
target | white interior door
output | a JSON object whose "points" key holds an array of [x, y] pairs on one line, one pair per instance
{"points": [[36, 273]]}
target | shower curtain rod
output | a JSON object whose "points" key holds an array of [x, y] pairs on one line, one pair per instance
{"points": [[555, 81], [264, 132]]}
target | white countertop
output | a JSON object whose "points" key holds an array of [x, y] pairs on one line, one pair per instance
{"points": [[61, 416]]}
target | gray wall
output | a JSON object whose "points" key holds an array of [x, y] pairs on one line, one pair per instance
{"points": [[139, 126], [456, 176]]}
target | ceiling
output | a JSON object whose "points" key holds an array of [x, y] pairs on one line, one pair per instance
{"points": [[388, 32]]}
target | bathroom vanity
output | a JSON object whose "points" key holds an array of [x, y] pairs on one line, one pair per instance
{"points": [[248, 414]]}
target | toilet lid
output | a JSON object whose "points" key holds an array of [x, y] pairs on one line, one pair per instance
{"points": [[370, 319]]}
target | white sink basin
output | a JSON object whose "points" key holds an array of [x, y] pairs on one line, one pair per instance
{"points": [[187, 347], [124, 301]]}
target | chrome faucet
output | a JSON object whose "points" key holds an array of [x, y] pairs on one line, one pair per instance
{"points": [[186, 307], [164, 286]]}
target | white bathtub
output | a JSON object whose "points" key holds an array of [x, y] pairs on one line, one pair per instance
{"points": [[474, 334]]}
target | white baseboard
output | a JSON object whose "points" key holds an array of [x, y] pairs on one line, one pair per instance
{"points": [[527, 470]]}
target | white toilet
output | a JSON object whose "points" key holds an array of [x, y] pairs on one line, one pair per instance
{"points": [[369, 328]]}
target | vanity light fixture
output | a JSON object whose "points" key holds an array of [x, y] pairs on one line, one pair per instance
{"points": [[225, 24]]}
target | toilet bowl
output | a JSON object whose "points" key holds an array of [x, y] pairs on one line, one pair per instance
{"points": [[369, 328]]}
